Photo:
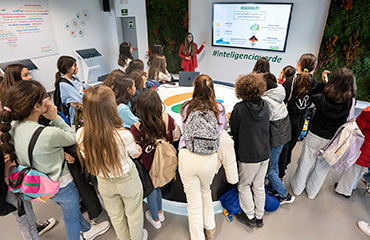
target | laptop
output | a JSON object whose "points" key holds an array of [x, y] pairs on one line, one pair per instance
{"points": [[186, 79]]}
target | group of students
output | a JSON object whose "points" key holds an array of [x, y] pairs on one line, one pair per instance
{"points": [[124, 118]]}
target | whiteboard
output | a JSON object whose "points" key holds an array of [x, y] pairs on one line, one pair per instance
{"points": [[26, 30]]}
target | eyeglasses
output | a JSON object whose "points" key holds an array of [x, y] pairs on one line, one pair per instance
{"points": [[47, 95]]}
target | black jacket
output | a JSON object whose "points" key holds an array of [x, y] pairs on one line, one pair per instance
{"points": [[295, 105], [280, 132], [329, 115], [249, 123]]}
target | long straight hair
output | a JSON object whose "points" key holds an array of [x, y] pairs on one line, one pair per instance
{"points": [[100, 137], [158, 65], [204, 97], [136, 64], [112, 77], [64, 64], [120, 90], [124, 53], [137, 76], [186, 43], [308, 63], [12, 75], [150, 107], [341, 86], [262, 66]]}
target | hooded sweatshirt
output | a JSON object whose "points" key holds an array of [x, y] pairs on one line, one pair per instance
{"points": [[280, 129], [329, 115], [249, 123]]}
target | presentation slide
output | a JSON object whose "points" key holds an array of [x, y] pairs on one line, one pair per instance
{"points": [[26, 30], [251, 25]]}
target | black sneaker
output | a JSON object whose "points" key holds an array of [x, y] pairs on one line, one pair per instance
{"points": [[243, 218], [259, 222], [43, 227], [288, 199]]}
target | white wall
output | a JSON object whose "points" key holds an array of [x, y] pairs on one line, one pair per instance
{"points": [[102, 31], [305, 33]]}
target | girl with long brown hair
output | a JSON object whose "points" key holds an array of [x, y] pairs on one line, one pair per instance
{"points": [[152, 126], [158, 70], [125, 56], [298, 97], [105, 148], [70, 88], [197, 171], [333, 99], [188, 52], [24, 103], [12, 74]]}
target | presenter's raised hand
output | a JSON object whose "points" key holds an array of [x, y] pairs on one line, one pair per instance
{"points": [[324, 76]]}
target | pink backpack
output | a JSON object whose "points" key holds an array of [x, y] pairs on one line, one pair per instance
{"points": [[343, 149], [30, 183]]}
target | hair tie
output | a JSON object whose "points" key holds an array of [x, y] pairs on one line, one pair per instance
{"points": [[7, 109], [305, 70]]}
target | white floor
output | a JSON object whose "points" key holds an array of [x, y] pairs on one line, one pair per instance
{"points": [[329, 216]]}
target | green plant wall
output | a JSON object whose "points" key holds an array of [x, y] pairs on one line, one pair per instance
{"points": [[346, 42], [168, 25]]}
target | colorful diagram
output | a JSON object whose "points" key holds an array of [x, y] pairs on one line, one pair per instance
{"points": [[75, 26]]}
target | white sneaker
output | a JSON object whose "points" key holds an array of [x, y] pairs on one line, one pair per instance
{"points": [[43, 227], [96, 230], [364, 226], [145, 234], [161, 216], [156, 225]]}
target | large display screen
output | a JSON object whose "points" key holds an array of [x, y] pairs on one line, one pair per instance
{"points": [[261, 26]]}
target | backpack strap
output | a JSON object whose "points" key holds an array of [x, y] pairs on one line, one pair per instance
{"points": [[352, 111], [32, 144]]}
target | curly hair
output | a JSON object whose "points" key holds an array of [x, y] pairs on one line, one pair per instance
{"points": [[250, 86]]}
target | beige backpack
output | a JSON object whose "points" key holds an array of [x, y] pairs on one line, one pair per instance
{"points": [[165, 162]]}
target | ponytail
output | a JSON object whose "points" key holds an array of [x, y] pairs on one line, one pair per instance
{"points": [[64, 64], [6, 118], [57, 79], [308, 63]]}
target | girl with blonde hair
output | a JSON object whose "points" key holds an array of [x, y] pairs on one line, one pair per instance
{"points": [[105, 148]]}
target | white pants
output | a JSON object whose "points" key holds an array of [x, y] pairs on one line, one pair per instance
{"points": [[252, 175], [303, 178], [349, 179], [197, 173]]}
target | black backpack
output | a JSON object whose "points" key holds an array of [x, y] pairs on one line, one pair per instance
{"points": [[62, 109]]}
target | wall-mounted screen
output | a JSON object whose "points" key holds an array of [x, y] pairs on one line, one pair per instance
{"points": [[262, 26]]}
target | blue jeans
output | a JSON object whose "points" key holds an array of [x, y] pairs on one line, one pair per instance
{"points": [[27, 222], [367, 175], [155, 202], [273, 173], [68, 199]]}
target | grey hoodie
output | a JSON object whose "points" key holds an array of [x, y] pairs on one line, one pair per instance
{"points": [[275, 100], [280, 129]]}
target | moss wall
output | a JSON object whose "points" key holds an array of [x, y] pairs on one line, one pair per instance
{"points": [[346, 42]]}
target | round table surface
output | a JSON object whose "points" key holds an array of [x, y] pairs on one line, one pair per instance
{"points": [[173, 97]]}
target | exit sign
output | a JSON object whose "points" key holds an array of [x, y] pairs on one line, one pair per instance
{"points": [[124, 12]]}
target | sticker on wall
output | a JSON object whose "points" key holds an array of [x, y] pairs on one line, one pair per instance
{"points": [[67, 26], [131, 26], [75, 23], [83, 22], [81, 32], [75, 26], [72, 33], [85, 14]]}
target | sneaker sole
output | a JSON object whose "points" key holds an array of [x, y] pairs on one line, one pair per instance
{"points": [[50, 226], [290, 201], [98, 233]]}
